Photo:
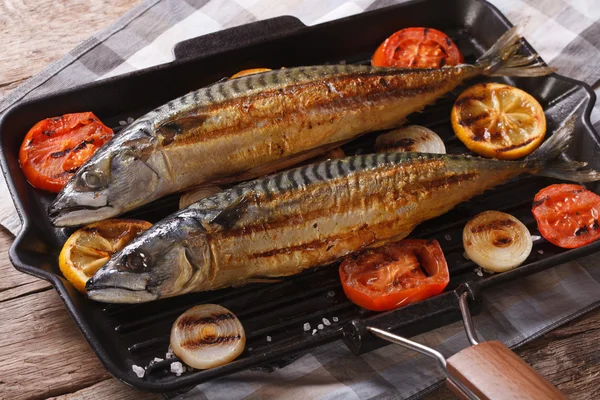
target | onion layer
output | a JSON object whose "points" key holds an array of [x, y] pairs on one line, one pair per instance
{"points": [[207, 336], [412, 138], [496, 241]]}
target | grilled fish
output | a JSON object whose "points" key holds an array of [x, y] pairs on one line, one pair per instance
{"points": [[254, 125], [306, 217]]}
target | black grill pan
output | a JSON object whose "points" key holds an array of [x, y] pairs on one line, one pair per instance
{"points": [[124, 335]]}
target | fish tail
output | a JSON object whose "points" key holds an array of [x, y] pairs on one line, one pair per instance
{"points": [[502, 58], [548, 160]]}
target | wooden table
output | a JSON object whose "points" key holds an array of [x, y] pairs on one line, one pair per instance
{"points": [[42, 353]]}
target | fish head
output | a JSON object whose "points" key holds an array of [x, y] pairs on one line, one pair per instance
{"points": [[121, 175], [169, 259]]}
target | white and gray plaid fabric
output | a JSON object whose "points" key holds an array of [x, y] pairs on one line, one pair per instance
{"points": [[566, 33]]}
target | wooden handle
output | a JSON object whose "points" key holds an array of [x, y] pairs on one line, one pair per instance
{"points": [[491, 371]]}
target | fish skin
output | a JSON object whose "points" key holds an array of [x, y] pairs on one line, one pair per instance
{"points": [[281, 113], [294, 220], [239, 125]]}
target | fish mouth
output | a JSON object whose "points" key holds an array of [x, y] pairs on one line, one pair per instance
{"points": [[79, 215], [120, 295], [119, 287], [79, 208]]}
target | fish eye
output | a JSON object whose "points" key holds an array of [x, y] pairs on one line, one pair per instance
{"points": [[93, 179], [137, 261]]}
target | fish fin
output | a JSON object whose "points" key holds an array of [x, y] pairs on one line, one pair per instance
{"points": [[396, 238], [198, 193], [260, 280], [548, 159], [502, 58], [279, 164], [231, 214]]}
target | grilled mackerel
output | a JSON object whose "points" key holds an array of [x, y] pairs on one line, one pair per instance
{"points": [[305, 217], [250, 126]]}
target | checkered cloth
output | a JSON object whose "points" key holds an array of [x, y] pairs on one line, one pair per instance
{"points": [[566, 33]]}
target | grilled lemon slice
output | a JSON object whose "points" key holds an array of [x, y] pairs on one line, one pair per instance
{"points": [[499, 121], [90, 247]]}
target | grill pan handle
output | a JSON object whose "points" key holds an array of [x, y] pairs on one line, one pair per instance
{"points": [[237, 37], [491, 371]]}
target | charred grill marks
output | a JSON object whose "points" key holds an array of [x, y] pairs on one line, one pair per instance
{"points": [[190, 321], [497, 224], [516, 146], [194, 343]]}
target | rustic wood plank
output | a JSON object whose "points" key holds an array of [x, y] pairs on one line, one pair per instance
{"points": [[6, 87], [108, 389], [42, 353], [38, 285], [14, 283], [35, 33]]}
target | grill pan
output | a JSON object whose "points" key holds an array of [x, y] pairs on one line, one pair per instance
{"points": [[124, 335]]}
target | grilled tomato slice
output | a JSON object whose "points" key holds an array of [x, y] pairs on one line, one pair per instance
{"points": [[394, 275], [55, 148], [567, 215], [417, 48], [499, 121], [90, 247]]}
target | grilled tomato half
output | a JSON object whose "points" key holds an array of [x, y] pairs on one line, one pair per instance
{"points": [[417, 48], [394, 275], [55, 148], [567, 215], [498, 121]]}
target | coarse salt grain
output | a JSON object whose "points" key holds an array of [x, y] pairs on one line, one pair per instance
{"points": [[314, 331], [478, 271], [268, 338], [156, 360], [535, 238], [448, 237], [320, 326], [170, 353], [541, 251], [306, 327], [249, 348], [326, 322], [139, 371], [335, 319], [330, 293], [177, 368]]}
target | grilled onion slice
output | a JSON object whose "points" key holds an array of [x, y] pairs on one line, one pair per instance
{"points": [[496, 241], [207, 336], [412, 138]]}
